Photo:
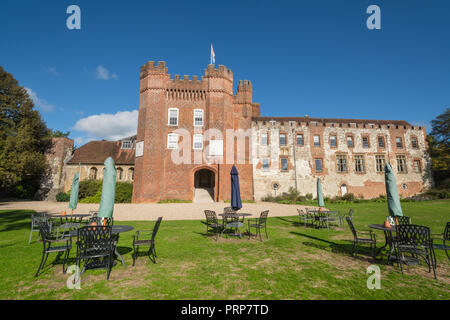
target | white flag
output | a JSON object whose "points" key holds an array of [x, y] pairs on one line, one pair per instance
{"points": [[213, 56]]}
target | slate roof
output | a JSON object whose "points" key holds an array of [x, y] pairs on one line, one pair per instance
{"points": [[96, 152]]}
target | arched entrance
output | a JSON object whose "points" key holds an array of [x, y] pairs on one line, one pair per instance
{"points": [[204, 183]]}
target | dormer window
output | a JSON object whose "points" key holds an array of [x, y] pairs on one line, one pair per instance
{"points": [[127, 144]]}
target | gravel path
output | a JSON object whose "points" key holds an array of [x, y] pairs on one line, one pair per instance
{"points": [[150, 211]]}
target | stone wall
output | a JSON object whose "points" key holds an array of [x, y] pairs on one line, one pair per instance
{"points": [[57, 157], [302, 173]]}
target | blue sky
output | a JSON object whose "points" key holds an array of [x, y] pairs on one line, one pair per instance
{"points": [[313, 58]]}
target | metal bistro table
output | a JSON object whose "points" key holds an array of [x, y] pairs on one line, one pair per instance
{"points": [[116, 229], [389, 241], [69, 221], [236, 224]]}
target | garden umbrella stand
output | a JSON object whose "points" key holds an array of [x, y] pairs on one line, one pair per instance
{"points": [[108, 190], [74, 192], [393, 200], [236, 202]]}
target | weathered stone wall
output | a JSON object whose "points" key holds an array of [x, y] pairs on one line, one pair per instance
{"points": [[302, 173], [85, 170], [57, 156]]}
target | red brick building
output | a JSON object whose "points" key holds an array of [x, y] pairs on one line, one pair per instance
{"points": [[170, 107]]}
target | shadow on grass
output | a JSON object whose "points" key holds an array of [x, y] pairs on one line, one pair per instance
{"points": [[339, 248], [15, 220]]}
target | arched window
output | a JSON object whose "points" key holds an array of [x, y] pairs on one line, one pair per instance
{"points": [[119, 173], [93, 173], [131, 174], [343, 189]]}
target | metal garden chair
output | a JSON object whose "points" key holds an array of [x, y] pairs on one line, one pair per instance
{"points": [[37, 218], [444, 237], [415, 240], [212, 223], [139, 240], [95, 246], [357, 240], [259, 224], [308, 219], [49, 241], [403, 220]]}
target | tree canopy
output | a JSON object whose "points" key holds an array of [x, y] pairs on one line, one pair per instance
{"points": [[24, 138], [439, 148]]}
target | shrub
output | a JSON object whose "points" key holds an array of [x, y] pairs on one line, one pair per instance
{"points": [[89, 188], [124, 192], [348, 197], [309, 196], [62, 197]]}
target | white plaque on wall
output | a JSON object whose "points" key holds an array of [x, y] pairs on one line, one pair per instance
{"points": [[139, 149]]}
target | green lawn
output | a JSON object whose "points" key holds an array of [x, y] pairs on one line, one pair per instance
{"points": [[297, 262]]}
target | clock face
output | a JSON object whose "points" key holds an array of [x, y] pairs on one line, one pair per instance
{"points": [[139, 149]]}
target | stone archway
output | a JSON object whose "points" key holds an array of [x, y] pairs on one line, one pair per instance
{"points": [[204, 185]]}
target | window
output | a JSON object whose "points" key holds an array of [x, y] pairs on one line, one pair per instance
{"points": [[300, 139], [198, 142], [417, 166], [359, 163], [318, 163], [414, 143], [380, 142], [282, 139], [264, 139], [284, 164], [379, 162], [365, 142], [172, 141], [316, 141], [127, 144], [333, 142], [198, 117], [93, 173], [341, 161], [401, 164], [350, 142], [173, 116], [119, 173], [265, 164], [131, 173], [399, 142]]}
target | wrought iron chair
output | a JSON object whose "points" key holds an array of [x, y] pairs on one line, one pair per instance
{"points": [[138, 241], [95, 246], [403, 220], [333, 217], [372, 242], [444, 237], [37, 218], [48, 241], [415, 240], [307, 218], [259, 224], [212, 223], [320, 219]]}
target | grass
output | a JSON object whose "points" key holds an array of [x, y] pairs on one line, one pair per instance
{"points": [[296, 262]]}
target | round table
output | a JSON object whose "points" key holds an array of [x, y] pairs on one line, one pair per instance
{"points": [[235, 224], [389, 241], [116, 229]]}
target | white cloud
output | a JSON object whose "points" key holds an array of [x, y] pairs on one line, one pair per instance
{"points": [[104, 74], [39, 103], [108, 126]]}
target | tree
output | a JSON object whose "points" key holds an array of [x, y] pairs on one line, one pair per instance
{"points": [[24, 138], [59, 134], [439, 148]]}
